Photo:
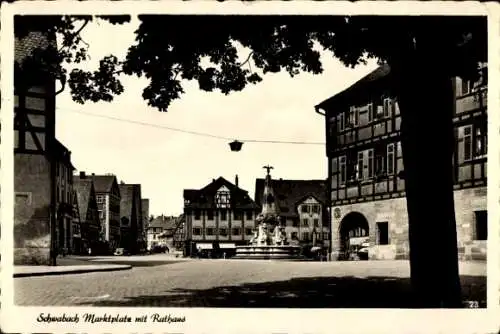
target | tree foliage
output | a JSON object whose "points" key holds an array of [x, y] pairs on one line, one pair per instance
{"points": [[226, 53]]}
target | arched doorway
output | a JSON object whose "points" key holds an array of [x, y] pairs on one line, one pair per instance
{"points": [[353, 230]]}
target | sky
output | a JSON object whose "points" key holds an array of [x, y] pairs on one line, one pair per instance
{"points": [[166, 162]]}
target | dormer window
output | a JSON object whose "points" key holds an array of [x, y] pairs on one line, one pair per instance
{"points": [[222, 198]]}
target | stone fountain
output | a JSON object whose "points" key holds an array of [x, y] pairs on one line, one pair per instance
{"points": [[269, 240]]}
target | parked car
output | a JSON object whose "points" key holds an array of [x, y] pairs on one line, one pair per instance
{"points": [[120, 252], [159, 249], [363, 251]]}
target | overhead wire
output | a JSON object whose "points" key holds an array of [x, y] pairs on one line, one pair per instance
{"points": [[196, 133]]}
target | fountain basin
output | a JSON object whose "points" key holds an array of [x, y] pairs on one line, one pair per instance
{"points": [[268, 252]]}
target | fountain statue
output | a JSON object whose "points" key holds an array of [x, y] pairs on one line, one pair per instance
{"points": [[269, 240]]}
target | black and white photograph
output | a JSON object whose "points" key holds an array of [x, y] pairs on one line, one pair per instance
{"points": [[241, 160]]}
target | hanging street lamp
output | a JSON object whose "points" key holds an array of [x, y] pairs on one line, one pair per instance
{"points": [[235, 146]]}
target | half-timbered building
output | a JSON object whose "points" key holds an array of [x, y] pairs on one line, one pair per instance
{"points": [[366, 172], [35, 150], [220, 215]]}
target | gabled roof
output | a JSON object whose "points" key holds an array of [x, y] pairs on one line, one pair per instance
{"points": [[163, 222], [103, 183], [290, 193], [129, 193], [205, 197], [83, 189], [62, 153], [376, 78]]}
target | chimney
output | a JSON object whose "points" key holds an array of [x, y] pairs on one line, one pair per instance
{"points": [[82, 175], [121, 182], [236, 180]]}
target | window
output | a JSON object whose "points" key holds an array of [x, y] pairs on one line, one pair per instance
{"points": [[390, 159], [370, 163], [238, 215], [305, 222], [316, 222], [480, 140], [383, 233], [210, 214], [370, 112], [387, 107], [223, 215], [100, 199], [315, 208], [341, 120], [360, 166], [353, 116], [210, 231], [196, 231], [294, 236], [248, 231], [249, 215], [295, 223], [305, 236], [481, 225], [197, 214], [474, 141], [305, 208], [468, 143], [326, 236], [236, 231], [343, 169], [223, 232]]}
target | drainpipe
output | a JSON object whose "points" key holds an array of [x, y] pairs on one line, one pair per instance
{"points": [[328, 210]]}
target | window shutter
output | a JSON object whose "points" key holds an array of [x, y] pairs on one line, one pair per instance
{"points": [[460, 145]]}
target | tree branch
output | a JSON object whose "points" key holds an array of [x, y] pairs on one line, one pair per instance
{"points": [[63, 85], [76, 33], [248, 59]]}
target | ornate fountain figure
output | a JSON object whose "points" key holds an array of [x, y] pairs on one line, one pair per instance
{"points": [[269, 240], [268, 221]]}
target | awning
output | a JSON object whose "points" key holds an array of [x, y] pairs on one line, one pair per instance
{"points": [[204, 246], [358, 240], [227, 246]]}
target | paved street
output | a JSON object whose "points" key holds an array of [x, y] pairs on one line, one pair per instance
{"points": [[239, 283]]}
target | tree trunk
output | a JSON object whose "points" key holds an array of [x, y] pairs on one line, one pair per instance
{"points": [[426, 100]]}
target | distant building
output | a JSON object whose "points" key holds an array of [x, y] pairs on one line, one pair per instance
{"points": [[366, 172], [303, 210], [145, 220], [88, 210], [180, 232], [108, 202], [76, 246], [220, 215], [64, 197], [160, 232], [131, 216]]}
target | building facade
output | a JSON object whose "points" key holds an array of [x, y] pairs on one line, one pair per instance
{"points": [[64, 197], [219, 216], [302, 207], [366, 173], [108, 202], [88, 210], [34, 137], [160, 232], [131, 224]]}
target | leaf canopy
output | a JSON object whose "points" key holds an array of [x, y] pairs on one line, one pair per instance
{"points": [[226, 53]]}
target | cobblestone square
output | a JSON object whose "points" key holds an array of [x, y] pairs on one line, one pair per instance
{"points": [[240, 283]]}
